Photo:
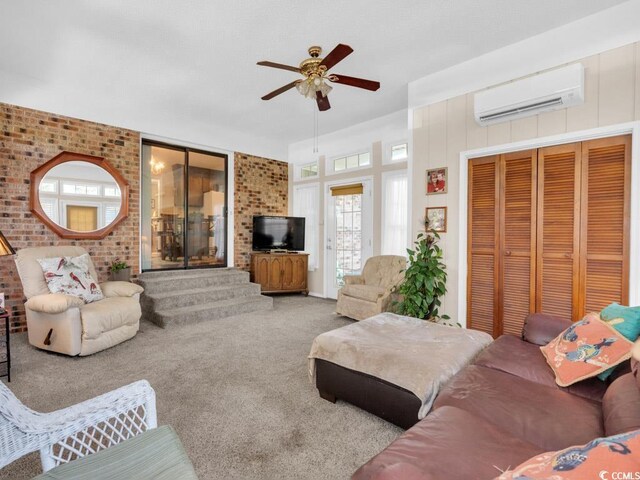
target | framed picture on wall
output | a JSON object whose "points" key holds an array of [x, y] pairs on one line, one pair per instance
{"points": [[436, 181], [436, 219]]}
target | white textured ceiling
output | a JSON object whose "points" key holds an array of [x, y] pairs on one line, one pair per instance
{"points": [[187, 69]]}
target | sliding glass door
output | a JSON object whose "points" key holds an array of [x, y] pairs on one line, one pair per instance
{"points": [[184, 209]]}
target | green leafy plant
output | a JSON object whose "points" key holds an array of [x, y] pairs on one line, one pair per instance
{"points": [[424, 281], [117, 266]]}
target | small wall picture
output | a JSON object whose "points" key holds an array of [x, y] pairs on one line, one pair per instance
{"points": [[437, 181], [437, 219]]}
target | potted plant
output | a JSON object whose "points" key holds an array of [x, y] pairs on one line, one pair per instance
{"points": [[119, 271], [424, 281]]}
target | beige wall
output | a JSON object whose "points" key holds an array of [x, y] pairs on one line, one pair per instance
{"points": [[317, 277], [441, 131]]}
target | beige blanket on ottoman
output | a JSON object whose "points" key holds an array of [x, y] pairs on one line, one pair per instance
{"points": [[414, 354]]}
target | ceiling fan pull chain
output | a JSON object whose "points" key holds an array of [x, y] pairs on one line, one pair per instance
{"points": [[315, 129]]}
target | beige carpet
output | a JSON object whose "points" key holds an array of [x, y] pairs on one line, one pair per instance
{"points": [[236, 391]]}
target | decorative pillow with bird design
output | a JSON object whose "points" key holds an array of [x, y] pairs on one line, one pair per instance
{"points": [[70, 275], [624, 319], [585, 349], [600, 458]]}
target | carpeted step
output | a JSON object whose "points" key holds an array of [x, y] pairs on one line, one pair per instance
{"points": [[161, 282], [184, 298], [212, 310]]}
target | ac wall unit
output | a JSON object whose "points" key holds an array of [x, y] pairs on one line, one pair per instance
{"points": [[560, 88]]}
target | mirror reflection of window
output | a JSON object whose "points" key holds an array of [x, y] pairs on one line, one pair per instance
{"points": [[82, 219], [80, 196]]}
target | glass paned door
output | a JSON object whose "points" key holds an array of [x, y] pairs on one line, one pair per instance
{"points": [[183, 207], [206, 226], [348, 233], [349, 236]]}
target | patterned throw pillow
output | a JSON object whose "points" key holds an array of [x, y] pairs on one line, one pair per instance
{"points": [[585, 349], [626, 320], [70, 275], [597, 459]]}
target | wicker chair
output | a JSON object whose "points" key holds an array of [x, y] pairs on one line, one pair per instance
{"points": [[88, 427]]}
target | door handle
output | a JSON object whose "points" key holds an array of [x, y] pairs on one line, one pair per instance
{"points": [[508, 253], [567, 255], [329, 247]]}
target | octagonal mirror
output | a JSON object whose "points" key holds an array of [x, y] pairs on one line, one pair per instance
{"points": [[79, 196]]}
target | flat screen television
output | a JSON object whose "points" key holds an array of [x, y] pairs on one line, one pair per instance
{"points": [[278, 233]]}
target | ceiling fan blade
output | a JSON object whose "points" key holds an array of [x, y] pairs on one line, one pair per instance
{"points": [[280, 90], [336, 55], [279, 65], [323, 102], [355, 82]]}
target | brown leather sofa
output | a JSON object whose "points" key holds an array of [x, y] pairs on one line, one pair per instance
{"points": [[504, 409]]}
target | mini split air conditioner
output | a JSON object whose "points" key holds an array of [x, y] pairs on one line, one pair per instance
{"points": [[560, 88]]}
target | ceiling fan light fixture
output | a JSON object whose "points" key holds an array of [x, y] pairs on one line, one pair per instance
{"points": [[311, 85]]}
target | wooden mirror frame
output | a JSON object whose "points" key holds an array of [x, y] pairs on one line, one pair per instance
{"points": [[36, 208]]}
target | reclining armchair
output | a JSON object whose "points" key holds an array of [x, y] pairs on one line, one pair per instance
{"points": [[371, 293], [64, 323]]}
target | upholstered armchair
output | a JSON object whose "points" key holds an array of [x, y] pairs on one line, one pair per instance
{"points": [[65, 323], [371, 293]]}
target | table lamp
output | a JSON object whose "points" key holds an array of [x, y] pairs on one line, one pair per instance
{"points": [[5, 249], [5, 246]]}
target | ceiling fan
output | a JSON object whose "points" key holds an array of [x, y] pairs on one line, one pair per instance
{"points": [[314, 70]]}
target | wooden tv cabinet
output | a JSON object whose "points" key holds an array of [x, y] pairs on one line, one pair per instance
{"points": [[280, 272]]}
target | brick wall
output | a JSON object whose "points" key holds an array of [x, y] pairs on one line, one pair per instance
{"points": [[29, 138], [261, 188]]}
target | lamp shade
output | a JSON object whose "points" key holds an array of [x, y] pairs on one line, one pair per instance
{"points": [[5, 246]]}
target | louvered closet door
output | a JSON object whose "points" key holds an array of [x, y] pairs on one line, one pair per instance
{"points": [[482, 233], [517, 240], [558, 247], [604, 239]]}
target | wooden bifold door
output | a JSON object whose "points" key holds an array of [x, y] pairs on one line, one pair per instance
{"points": [[548, 231]]}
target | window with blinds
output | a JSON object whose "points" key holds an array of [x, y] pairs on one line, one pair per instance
{"points": [[548, 231]]}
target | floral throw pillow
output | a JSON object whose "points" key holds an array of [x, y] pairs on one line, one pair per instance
{"points": [[585, 349], [597, 459], [70, 275]]}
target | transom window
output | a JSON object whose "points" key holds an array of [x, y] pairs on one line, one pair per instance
{"points": [[399, 152], [309, 170], [352, 161], [80, 189]]}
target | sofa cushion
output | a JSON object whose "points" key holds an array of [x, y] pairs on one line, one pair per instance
{"points": [[541, 328], [600, 458], [370, 293], [511, 355], [108, 314], [621, 406], [585, 349], [155, 454], [449, 443], [544, 416], [71, 276]]}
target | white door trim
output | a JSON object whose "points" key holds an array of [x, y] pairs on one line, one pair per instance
{"points": [[609, 131], [325, 231]]}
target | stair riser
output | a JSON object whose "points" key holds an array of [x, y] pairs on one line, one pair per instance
{"points": [[215, 313], [162, 286], [184, 273], [169, 302]]}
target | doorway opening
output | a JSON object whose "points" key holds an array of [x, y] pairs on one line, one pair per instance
{"points": [[184, 207]]}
